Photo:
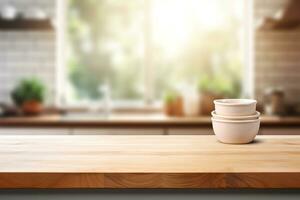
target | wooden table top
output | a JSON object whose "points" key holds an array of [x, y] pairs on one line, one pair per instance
{"points": [[148, 162]]}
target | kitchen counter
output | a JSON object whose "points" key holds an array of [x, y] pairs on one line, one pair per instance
{"points": [[131, 120], [148, 162]]}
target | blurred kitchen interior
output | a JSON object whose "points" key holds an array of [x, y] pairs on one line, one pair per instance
{"points": [[160, 63]]}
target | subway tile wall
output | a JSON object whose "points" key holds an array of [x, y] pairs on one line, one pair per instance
{"points": [[27, 53], [277, 55]]}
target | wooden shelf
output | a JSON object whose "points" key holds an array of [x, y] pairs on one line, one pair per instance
{"points": [[25, 25]]}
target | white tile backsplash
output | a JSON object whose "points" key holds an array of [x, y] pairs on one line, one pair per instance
{"points": [[27, 53], [277, 55]]}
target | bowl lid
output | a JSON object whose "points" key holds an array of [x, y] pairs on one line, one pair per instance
{"points": [[234, 102]]}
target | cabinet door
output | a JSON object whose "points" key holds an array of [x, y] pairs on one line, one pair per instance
{"points": [[34, 131], [190, 131], [117, 131], [280, 131]]}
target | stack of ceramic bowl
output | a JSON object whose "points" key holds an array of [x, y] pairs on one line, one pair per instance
{"points": [[235, 121]]}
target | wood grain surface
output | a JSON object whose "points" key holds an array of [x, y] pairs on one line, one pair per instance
{"points": [[148, 162]]}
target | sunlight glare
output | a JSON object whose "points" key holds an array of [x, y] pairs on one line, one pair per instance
{"points": [[174, 20]]}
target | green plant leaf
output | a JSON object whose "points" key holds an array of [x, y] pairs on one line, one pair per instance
{"points": [[28, 90]]}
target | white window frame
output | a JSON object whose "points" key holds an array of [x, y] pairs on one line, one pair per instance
{"points": [[60, 53], [249, 55]]}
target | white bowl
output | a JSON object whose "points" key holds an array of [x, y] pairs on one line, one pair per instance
{"points": [[235, 107], [249, 117], [8, 12], [235, 132]]}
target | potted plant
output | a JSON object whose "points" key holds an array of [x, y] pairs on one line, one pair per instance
{"points": [[212, 88], [173, 104], [29, 96]]}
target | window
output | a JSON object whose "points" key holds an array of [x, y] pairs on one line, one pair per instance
{"points": [[143, 48]]}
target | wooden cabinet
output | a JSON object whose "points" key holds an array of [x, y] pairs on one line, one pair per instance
{"points": [[34, 131], [117, 131], [280, 131], [190, 131]]}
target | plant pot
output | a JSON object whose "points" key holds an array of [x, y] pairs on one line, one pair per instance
{"points": [[207, 102], [32, 107], [174, 108], [169, 109], [178, 107]]}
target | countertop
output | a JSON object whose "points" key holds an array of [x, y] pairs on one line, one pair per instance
{"points": [[130, 120], [148, 162]]}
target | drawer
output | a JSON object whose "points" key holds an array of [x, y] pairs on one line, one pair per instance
{"points": [[116, 131], [280, 131], [34, 131], [190, 131]]}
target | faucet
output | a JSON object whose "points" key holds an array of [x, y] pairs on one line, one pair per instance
{"points": [[105, 91]]}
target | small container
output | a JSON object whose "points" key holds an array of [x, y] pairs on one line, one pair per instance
{"points": [[191, 105], [235, 131], [274, 102], [235, 107]]}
